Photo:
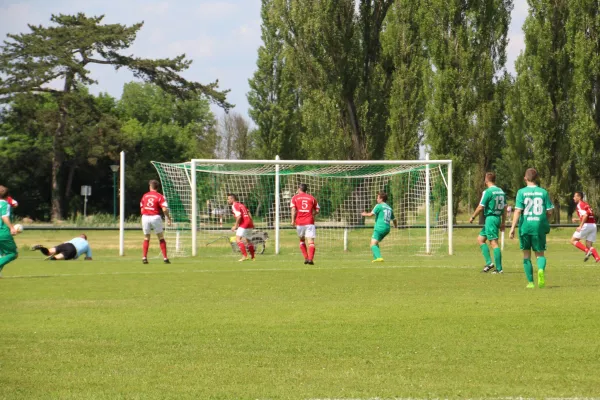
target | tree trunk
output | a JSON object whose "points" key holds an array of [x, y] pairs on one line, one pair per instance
{"points": [[69, 185], [358, 145], [58, 155]]}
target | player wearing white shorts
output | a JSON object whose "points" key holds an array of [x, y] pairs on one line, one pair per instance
{"points": [[150, 206], [242, 228], [587, 228], [304, 208]]}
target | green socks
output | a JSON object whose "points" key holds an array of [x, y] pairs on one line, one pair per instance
{"points": [[486, 253], [498, 258], [541, 263], [376, 252], [528, 267]]}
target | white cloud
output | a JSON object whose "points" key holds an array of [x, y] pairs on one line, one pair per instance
{"points": [[216, 9], [156, 8], [203, 46]]}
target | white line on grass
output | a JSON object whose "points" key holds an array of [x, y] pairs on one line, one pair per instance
{"points": [[298, 269]]}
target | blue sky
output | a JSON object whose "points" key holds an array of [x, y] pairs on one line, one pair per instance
{"points": [[221, 37]]}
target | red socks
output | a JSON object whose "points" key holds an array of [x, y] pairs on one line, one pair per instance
{"points": [[581, 247], [303, 249], [243, 248], [145, 248], [251, 249], [311, 251], [163, 248], [595, 254]]}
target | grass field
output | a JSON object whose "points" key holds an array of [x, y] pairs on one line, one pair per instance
{"points": [[213, 328]]}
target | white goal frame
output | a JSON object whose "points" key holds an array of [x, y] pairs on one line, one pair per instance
{"points": [[277, 162]]}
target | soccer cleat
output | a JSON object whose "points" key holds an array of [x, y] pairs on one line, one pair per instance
{"points": [[488, 268], [541, 278], [144, 261], [244, 259], [310, 262], [377, 260], [498, 272], [588, 254], [166, 261], [530, 285], [36, 247], [305, 261], [253, 259]]}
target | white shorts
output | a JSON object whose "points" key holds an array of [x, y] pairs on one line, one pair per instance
{"points": [[150, 222], [308, 231], [244, 232], [588, 232]]}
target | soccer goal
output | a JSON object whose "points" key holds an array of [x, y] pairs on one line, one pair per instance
{"points": [[419, 192]]}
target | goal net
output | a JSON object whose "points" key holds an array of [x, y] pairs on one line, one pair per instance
{"points": [[418, 192]]}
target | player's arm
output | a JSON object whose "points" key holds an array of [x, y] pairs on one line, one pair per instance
{"points": [[6, 220], [88, 254], [395, 221], [167, 214], [316, 209], [583, 221], [294, 212], [516, 216], [367, 214], [238, 221]]}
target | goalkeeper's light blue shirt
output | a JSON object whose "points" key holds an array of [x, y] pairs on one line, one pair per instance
{"points": [[82, 246]]}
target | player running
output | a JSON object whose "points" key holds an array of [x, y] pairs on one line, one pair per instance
{"points": [[587, 228], [533, 208], [304, 208], [383, 216], [150, 206], [8, 247], [493, 202], [243, 227]]}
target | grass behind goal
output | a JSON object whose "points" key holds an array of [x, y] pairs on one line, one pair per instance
{"points": [[213, 328]]}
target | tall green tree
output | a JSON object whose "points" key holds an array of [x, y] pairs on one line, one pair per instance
{"points": [[542, 88], [403, 48], [583, 30], [465, 109], [31, 61], [274, 97], [336, 50]]}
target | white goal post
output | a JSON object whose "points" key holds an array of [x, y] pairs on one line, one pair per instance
{"points": [[419, 193]]}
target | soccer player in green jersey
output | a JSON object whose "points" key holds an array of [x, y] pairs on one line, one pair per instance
{"points": [[8, 247], [533, 209], [383, 216], [493, 203]]}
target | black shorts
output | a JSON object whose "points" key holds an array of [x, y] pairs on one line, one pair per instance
{"points": [[68, 250]]}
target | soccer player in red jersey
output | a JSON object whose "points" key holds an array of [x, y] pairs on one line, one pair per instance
{"points": [[243, 227], [150, 206], [586, 229], [304, 208], [12, 202]]}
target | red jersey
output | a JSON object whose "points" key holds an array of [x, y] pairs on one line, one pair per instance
{"points": [[304, 204], [12, 202], [239, 209], [584, 209], [152, 203]]}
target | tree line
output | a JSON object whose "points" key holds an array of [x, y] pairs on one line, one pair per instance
{"points": [[335, 79]]}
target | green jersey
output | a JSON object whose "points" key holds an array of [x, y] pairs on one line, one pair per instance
{"points": [[534, 202], [383, 215], [4, 212], [493, 201]]}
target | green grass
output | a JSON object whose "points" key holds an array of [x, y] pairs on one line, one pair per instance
{"points": [[213, 328]]}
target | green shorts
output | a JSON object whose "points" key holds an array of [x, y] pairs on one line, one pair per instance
{"points": [[7, 245], [379, 235], [491, 227], [531, 242]]}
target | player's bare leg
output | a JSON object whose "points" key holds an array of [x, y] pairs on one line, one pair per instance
{"points": [[311, 251], [303, 249], [485, 251], [145, 247], [163, 247], [242, 247], [591, 251]]}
